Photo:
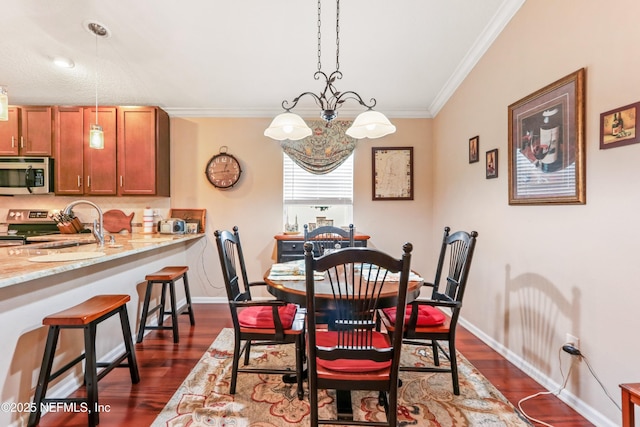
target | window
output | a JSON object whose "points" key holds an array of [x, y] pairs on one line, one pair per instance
{"points": [[307, 196]]}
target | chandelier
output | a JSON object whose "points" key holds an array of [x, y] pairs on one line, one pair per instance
{"points": [[369, 124]]}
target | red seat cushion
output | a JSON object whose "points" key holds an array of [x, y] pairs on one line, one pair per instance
{"points": [[427, 315], [330, 339], [262, 317]]}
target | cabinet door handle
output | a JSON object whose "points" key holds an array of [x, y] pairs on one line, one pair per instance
{"points": [[88, 180], [22, 142], [121, 181], [13, 142], [79, 181]]}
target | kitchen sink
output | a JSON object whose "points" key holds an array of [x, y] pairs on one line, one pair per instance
{"points": [[59, 244]]}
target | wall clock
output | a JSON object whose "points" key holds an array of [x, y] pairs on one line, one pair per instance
{"points": [[223, 170]]}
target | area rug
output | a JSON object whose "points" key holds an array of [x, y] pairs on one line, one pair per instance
{"points": [[261, 400]]}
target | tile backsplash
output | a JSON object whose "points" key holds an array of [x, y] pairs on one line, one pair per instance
{"points": [[85, 212]]}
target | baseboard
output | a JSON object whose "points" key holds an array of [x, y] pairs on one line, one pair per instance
{"points": [[570, 399]]}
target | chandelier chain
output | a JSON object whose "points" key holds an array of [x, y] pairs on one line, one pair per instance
{"points": [[319, 38], [337, 35]]}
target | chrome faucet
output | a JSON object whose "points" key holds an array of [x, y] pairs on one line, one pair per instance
{"points": [[98, 225]]}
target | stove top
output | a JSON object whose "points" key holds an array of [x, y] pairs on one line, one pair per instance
{"points": [[23, 223]]}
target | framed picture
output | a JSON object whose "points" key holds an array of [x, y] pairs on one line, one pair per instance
{"points": [[392, 173], [618, 127], [492, 163], [547, 144], [474, 149], [191, 216]]}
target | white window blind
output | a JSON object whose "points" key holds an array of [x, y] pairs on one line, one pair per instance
{"points": [[304, 188]]}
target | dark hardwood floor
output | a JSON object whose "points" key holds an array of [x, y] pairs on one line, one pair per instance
{"points": [[164, 365]]}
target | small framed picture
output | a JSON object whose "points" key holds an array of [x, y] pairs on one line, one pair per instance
{"points": [[618, 127], [492, 163], [474, 149]]}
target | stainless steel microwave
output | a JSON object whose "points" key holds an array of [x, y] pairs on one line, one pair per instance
{"points": [[26, 175]]}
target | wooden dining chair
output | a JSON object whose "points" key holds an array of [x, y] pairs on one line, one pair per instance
{"points": [[329, 237], [349, 353], [430, 321], [264, 322]]}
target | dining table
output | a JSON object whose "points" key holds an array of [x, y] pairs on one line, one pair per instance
{"points": [[287, 282]]}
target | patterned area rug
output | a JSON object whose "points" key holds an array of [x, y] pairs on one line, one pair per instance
{"points": [[261, 400]]}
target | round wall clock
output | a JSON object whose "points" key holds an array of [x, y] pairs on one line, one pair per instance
{"points": [[223, 170]]}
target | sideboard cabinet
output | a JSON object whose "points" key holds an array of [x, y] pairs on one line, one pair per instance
{"points": [[290, 247]]}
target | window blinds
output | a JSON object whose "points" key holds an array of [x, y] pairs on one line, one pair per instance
{"points": [[304, 188]]}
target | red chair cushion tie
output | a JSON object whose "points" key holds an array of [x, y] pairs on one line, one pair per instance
{"points": [[427, 315], [330, 339], [262, 317]]}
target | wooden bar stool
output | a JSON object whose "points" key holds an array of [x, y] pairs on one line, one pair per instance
{"points": [[630, 397], [85, 316], [167, 277]]}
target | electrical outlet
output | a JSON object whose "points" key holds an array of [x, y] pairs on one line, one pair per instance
{"points": [[573, 340]]}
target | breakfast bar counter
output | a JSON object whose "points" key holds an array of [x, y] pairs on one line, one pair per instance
{"points": [[34, 283], [19, 264]]}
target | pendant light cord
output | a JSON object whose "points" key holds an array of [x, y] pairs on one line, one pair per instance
{"points": [[96, 76]]}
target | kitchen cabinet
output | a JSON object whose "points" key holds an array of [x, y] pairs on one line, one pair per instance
{"points": [[134, 161], [100, 164], [36, 126], [68, 151], [143, 151], [29, 132], [10, 133]]}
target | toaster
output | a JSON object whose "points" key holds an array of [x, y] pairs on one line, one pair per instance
{"points": [[172, 226]]}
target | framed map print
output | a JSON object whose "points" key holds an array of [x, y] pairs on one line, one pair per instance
{"points": [[392, 173]]}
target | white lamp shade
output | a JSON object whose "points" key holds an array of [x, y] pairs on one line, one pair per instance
{"points": [[287, 126], [96, 137], [370, 124], [4, 104]]}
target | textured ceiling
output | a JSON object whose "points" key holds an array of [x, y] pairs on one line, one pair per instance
{"points": [[244, 57]]}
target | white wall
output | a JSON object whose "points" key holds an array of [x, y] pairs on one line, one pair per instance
{"points": [[543, 271], [255, 203]]}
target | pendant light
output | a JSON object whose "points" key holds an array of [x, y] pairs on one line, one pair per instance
{"points": [[96, 135], [4, 104], [370, 124]]}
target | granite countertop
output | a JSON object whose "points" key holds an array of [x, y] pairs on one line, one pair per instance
{"points": [[16, 267]]}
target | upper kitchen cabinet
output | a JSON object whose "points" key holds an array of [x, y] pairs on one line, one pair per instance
{"points": [[100, 164], [135, 158], [29, 132], [37, 131], [68, 150], [10, 133], [143, 151]]}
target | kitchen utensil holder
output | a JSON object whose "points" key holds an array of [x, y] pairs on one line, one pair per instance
{"points": [[72, 227]]}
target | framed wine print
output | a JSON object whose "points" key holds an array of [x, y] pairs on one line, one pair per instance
{"points": [[618, 127], [474, 149], [547, 144], [492, 163], [392, 173]]}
